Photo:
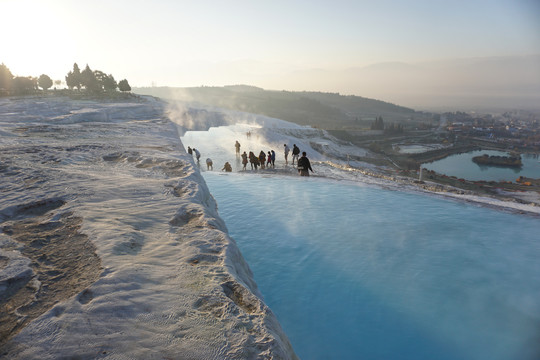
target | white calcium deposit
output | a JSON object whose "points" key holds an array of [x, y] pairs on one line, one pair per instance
{"points": [[111, 245]]}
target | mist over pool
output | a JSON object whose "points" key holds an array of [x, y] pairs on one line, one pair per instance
{"points": [[353, 271]]}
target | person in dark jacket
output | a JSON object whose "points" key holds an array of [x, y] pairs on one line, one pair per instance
{"points": [[269, 160], [295, 153], [304, 165], [262, 159], [244, 160], [253, 160]]}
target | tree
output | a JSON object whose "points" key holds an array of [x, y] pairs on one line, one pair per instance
{"points": [[24, 85], [45, 82], [378, 124], [109, 84], [394, 129], [73, 78], [123, 85], [106, 82], [100, 78], [89, 80], [5, 77]]}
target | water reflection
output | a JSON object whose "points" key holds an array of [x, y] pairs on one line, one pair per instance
{"points": [[462, 166]]}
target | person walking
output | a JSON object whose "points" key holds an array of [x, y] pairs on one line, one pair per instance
{"points": [[262, 159], [273, 158], [269, 160], [244, 160], [304, 165], [253, 160], [209, 164], [197, 154], [295, 153], [287, 149], [237, 146]]}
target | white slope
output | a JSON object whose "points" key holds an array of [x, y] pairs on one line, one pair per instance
{"points": [[108, 227], [220, 129]]}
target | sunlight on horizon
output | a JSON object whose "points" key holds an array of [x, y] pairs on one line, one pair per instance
{"points": [[320, 46], [35, 34]]}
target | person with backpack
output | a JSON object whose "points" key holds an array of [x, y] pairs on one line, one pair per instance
{"points": [[253, 160], [295, 153], [304, 165], [262, 159]]}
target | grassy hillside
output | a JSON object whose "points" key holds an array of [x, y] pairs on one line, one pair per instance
{"points": [[323, 110]]}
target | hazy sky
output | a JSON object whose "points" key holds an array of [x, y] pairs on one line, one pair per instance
{"points": [[216, 42]]}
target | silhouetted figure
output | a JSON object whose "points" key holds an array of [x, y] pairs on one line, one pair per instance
{"points": [[189, 151], [286, 153], [295, 153], [237, 146], [197, 154], [227, 167], [269, 160], [254, 161], [262, 159], [209, 164], [273, 153], [244, 160], [303, 165]]}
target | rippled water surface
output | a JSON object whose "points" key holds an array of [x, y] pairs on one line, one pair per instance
{"points": [[355, 272]]}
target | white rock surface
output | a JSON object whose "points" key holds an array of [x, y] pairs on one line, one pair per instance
{"points": [[169, 281]]}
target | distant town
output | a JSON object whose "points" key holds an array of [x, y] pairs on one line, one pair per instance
{"points": [[519, 129]]}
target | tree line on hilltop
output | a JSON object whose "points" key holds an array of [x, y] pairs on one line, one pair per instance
{"points": [[378, 124], [92, 81]]}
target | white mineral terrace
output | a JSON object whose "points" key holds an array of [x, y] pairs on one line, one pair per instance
{"points": [[111, 245]]}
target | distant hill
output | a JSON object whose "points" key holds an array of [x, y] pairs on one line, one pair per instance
{"points": [[324, 110], [483, 84]]}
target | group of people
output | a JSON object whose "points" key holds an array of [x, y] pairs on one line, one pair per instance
{"points": [[209, 163], [263, 160], [194, 151], [302, 164], [295, 153]]}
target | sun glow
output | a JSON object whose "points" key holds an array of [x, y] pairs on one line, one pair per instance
{"points": [[35, 38]]}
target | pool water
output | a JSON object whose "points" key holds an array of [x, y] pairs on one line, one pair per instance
{"points": [[358, 272], [462, 166]]}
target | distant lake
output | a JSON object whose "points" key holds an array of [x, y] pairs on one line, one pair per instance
{"points": [[462, 166]]}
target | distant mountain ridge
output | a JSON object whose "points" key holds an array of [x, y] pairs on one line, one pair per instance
{"points": [[323, 110], [480, 84]]}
